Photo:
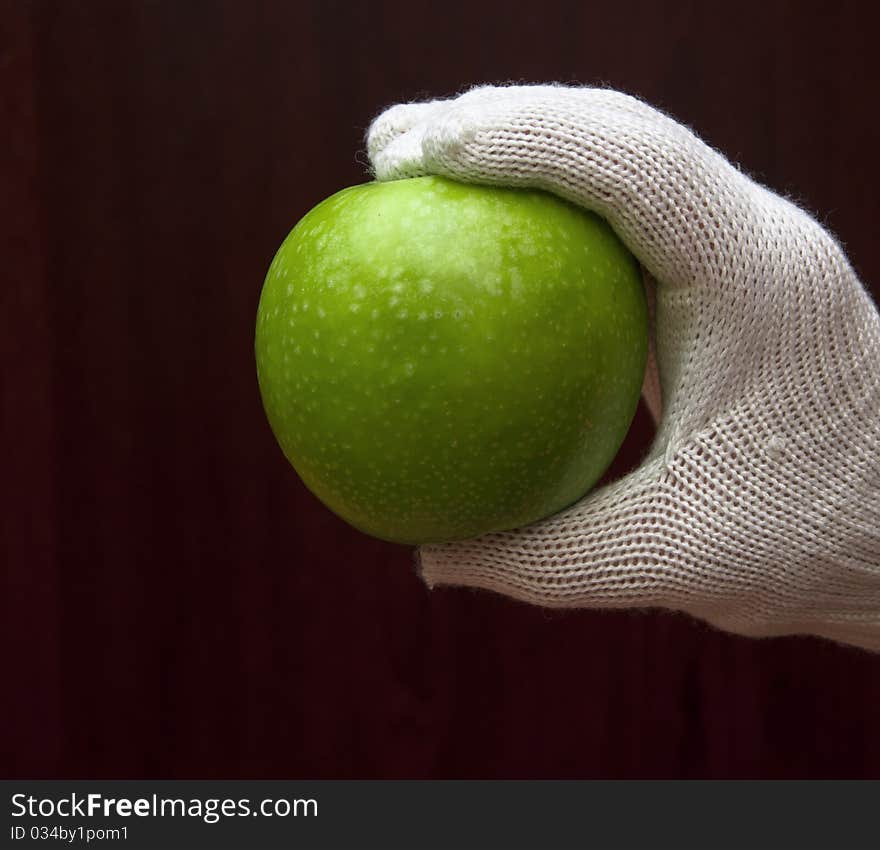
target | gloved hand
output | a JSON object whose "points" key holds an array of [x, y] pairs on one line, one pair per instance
{"points": [[757, 508]]}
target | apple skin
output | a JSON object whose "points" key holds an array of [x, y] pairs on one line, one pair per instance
{"points": [[440, 360]]}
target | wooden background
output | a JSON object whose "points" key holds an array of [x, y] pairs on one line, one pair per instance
{"points": [[177, 604]]}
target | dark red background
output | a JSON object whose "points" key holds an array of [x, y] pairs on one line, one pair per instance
{"points": [[177, 604]]}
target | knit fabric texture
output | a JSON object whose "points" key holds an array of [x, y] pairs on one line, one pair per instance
{"points": [[757, 508]]}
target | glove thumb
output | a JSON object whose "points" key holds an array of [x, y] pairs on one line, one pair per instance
{"points": [[611, 549]]}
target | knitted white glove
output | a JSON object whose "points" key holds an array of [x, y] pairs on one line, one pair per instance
{"points": [[757, 508]]}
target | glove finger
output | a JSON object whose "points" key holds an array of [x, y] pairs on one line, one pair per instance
{"points": [[682, 208], [385, 135]]}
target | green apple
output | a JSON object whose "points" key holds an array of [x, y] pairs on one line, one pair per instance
{"points": [[440, 360]]}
